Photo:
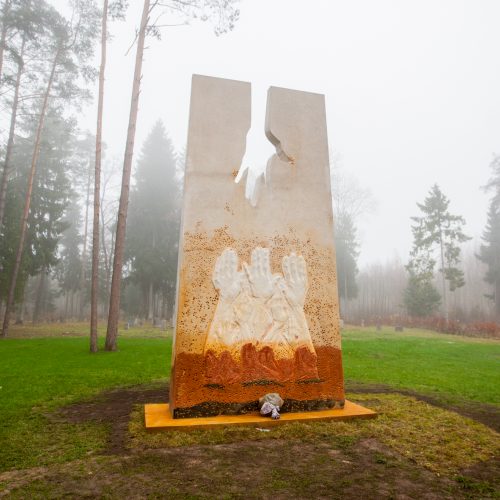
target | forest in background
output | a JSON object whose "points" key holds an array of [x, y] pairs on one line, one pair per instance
{"points": [[449, 282], [58, 238]]}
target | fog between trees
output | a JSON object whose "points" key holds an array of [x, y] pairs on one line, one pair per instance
{"points": [[47, 172]]}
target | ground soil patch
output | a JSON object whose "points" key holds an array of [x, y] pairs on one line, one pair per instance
{"points": [[272, 469], [113, 408], [275, 468]]}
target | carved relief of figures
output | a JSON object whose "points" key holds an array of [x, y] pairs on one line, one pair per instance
{"points": [[259, 331]]}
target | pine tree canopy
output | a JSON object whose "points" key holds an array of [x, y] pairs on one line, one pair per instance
{"points": [[346, 248], [153, 225], [489, 252], [421, 297], [438, 233]]}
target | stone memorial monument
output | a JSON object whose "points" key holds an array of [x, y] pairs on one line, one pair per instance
{"points": [[257, 305]]}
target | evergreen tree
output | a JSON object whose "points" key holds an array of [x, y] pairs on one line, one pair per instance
{"points": [[68, 271], [30, 26], [153, 225], [489, 252], [51, 194], [493, 184], [421, 297], [350, 202], [346, 248], [437, 231], [69, 48]]}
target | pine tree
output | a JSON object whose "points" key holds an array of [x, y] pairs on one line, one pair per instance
{"points": [[5, 25], [489, 252], [69, 49], [421, 297], [350, 202], [153, 226], [437, 231], [68, 271], [50, 196], [30, 26], [346, 248]]}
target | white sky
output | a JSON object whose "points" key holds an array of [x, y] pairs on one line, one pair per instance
{"points": [[412, 91]]}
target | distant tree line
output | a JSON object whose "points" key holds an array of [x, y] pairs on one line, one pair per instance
{"points": [[437, 280]]}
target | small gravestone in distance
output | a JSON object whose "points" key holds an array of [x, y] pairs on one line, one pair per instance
{"points": [[257, 304]]}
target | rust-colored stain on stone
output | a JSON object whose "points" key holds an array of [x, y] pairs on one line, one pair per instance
{"points": [[195, 388], [259, 365]]}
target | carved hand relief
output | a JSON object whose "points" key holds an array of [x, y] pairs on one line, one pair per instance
{"points": [[259, 331]]}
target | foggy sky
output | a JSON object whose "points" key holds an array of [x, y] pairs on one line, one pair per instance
{"points": [[412, 92]]}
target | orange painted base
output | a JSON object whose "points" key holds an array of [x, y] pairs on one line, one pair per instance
{"points": [[157, 417]]}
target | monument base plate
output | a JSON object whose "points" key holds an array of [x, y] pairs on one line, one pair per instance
{"points": [[157, 417]]}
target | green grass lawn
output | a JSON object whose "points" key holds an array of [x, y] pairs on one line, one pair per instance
{"points": [[38, 375], [448, 366], [44, 372], [53, 371]]}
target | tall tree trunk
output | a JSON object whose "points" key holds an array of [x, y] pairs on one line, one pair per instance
{"points": [[497, 300], [20, 312], [24, 220], [344, 311], [106, 258], [97, 187], [163, 306], [66, 305], [10, 142], [114, 300], [3, 35], [150, 303], [107, 263], [110, 268], [84, 252], [496, 288]]}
